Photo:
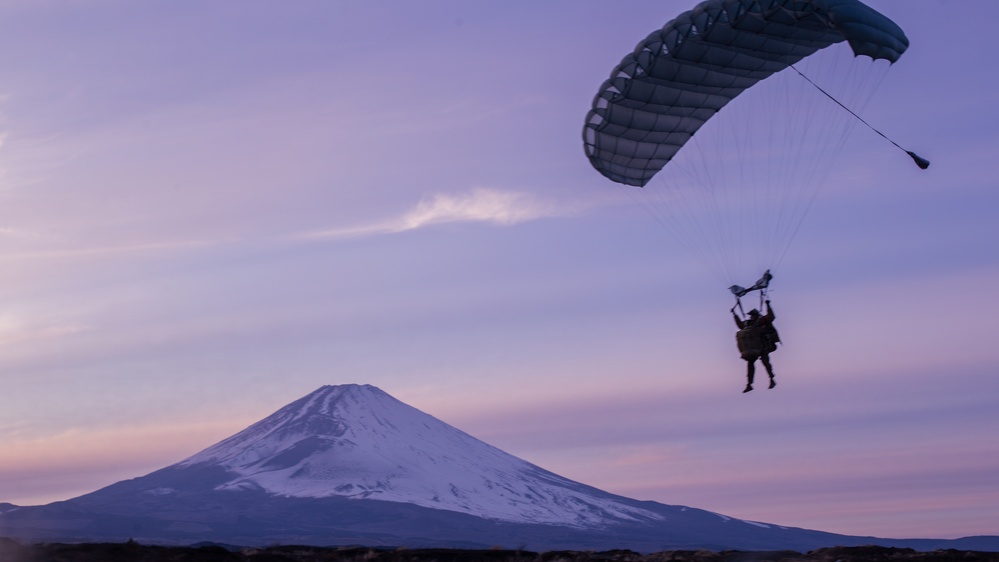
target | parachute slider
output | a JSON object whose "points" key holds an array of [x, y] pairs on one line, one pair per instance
{"points": [[761, 283]]}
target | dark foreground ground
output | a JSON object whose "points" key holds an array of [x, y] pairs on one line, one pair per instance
{"points": [[11, 551]]}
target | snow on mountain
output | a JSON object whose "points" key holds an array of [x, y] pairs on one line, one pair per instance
{"points": [[358, 442], [349, 465]]}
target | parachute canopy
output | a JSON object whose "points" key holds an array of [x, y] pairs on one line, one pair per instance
{"points": [[680, 76]]}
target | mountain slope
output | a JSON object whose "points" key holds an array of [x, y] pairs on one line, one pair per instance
{"points": [[359, 442]]}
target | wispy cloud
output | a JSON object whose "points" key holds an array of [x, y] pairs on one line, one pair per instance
{"points": [[481, 204], [101, 251], [17, 331], [14, 233]]}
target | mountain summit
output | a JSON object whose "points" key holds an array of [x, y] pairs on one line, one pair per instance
{"points": [[358, 442], [350, 465]]}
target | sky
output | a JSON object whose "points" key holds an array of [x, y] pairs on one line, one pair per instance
{"points": [[211, 209]]}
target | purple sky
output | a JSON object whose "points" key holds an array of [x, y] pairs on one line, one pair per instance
{"points": [[208, 210]]}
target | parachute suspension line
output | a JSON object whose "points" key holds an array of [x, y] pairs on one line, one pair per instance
{"points": [[677, 205], [657, 207], [748, 212], [921, 162], [707, 212], [830, 132], [784, 179], [677, 215]]}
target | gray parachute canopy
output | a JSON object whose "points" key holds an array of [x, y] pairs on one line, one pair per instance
{"points": [[681, 75]]}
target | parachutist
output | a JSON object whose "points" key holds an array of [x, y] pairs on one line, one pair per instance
{"points": [[757, 339]]}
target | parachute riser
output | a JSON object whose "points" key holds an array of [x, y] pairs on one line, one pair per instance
{"points": [[738, 303], [742, 311]]}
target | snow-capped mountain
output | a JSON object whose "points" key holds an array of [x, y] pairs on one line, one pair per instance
{"points": [[350, 465], [356, 441]]}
